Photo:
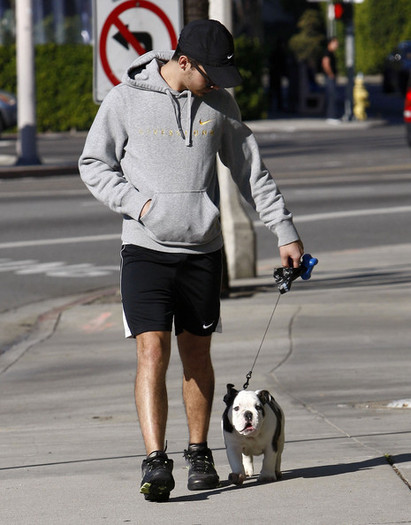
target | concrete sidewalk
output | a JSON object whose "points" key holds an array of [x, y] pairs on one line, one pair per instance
{"points": [[336, 355]]}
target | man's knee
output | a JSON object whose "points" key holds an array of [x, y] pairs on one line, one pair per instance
{"points": [[195, 354], [192, 346], [153, 347]]}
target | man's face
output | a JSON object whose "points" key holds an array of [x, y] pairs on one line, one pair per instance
{"points": [[334, 45], [197, 80]]}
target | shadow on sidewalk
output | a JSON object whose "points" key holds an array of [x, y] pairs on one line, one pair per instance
{"points": [[335, 470], [309, 472], [365, 277], [371, 277]]}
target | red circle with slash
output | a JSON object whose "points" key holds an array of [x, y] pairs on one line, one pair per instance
{"points": [[114, 20]]}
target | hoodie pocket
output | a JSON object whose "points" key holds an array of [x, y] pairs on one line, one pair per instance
{"points": [[182, 218]]}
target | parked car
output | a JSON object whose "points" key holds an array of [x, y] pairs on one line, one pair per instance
{"points": [[8, 110], [407, 113], [397, 68]]}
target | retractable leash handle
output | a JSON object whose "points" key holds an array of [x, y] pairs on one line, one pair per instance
{"points": [[307, 265], [285, 276]]}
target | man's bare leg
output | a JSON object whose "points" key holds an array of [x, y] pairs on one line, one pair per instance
{"points": [[153, 356], [198, 393], [198, 383]]}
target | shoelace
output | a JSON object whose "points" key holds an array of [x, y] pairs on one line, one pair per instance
{"points": [[200, 461], [157, 463]]}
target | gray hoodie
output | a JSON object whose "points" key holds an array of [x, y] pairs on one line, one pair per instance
{"points": [[151, 142]]}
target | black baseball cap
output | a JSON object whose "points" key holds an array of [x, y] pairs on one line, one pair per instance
{"points": [[211, 45]]}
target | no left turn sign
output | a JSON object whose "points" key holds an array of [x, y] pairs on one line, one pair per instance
{"points": [[124, 30]]}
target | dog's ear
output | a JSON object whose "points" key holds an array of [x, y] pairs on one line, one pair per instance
{"points": [[230, 395], [264, 396]]}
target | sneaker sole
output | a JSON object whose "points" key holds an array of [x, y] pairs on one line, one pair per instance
{"points": [[203, 485], [154, 492]]}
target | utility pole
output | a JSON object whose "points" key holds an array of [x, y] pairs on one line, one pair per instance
{"points": [[349, 60], [239, 236], [26, 89]]}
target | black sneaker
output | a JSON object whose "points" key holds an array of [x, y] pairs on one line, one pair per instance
{"points": [[201, 474], [158, 481]]}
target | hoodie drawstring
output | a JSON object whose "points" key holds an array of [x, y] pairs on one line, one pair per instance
{"points": [[177, 114], [189, 123]]}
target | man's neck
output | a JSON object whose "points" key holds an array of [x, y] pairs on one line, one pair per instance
{"points": [[170, 73]]}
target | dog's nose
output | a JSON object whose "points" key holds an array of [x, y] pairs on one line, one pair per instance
{"points": [[248, 415]]}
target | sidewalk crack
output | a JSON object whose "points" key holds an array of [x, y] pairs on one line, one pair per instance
{"points": [[290, 341], [44, 328]]}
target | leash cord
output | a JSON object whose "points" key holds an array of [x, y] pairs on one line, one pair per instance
{"points": [[248, 376]]}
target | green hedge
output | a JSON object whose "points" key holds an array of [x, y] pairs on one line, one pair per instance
{"points": [[8, 68], [64, 80], [250, 94], [379, 26], [64, 83]]}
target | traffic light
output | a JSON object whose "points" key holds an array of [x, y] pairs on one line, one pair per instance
{"points": [[343, 11], [338, 11]]}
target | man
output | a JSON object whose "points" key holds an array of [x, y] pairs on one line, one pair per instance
{"points": [[329, 67], [151, 156]]}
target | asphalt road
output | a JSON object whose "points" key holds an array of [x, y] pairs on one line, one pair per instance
{"points": [[347, 190]]}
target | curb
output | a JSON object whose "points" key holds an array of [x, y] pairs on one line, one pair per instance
{"points": [[46, 324], [16, 172], [291, 125]]}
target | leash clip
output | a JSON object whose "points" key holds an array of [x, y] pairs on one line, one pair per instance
{"points": [[248, 377]]}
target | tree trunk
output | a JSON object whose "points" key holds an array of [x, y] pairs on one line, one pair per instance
{"points": [[195, 10]]}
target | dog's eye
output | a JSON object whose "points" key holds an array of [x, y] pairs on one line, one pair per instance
{"points": [[236, 408], [258, 407]]}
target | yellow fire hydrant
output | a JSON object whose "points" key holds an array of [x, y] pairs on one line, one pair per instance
{"points": [[360, 98]]}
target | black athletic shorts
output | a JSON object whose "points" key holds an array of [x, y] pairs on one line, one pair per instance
{"points": [[158, 287]]}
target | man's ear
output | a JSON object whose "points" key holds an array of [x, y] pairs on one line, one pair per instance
{"points": [[184, 62]]}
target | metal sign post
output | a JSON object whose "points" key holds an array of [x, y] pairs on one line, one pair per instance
{"points": [[349, 65], [26, 88]]}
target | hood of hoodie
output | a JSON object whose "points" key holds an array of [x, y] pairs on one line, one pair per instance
{"points": [[144, 73]]}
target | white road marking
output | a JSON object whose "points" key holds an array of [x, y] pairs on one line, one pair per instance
{"points": [[43, 193], [351, 213], [342, 214], [301, 218], [61, 240], [55, 269]]}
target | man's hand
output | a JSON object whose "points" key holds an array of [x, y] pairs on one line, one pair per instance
{"points": [[291, 254], [145, 208]]}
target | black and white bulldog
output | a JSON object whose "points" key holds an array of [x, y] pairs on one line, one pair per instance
{"points": [[253, 424]]}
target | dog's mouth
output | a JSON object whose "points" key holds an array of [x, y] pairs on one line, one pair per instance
{"points": [[248, 428]]}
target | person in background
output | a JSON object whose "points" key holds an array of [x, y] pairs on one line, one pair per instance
{"points": [[329, 67]]}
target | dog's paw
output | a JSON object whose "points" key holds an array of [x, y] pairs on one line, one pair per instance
{"points": [[267, 478], [237, 479]]}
